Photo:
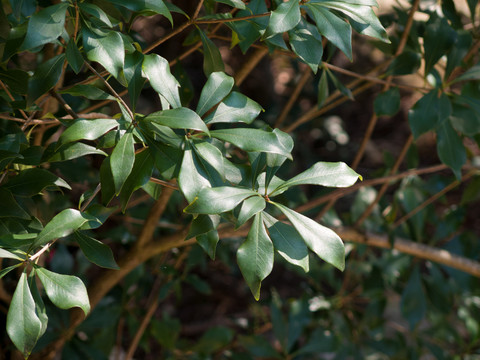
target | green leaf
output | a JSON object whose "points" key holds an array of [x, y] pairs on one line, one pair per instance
{"points": [[74, 56], [17, 80], [218, 200], [387, 103], [471, 74], [252, 140], [140, 175], [87, 130], [336, 30], [208, 242], [320, 239], [438, 39], [364, 19], [249, 208], [6, 270], [322, 89], [23, 324], [133, 75], [157, 70], [5, 254], [62, 224], [275, 161], [23, 7], [10, 207], [89, 91], [413, 304], [450, 148], [332, 174], [464, 119], [96, 251], [179, 118], [64, 291], [339, 85], [285, 17], [39, 304], [212, 155], [212, 60], [73, 151], [458, 51], [255, 256], [239, 4], [45, 26], [6, 157], [307, 47], [122, 159], [105, 48], [203, 224], [406, 63], [97, 12], [156, 6], [288, 242], [218, 86], [31, 182], [235, 108], [45, 77], [429, 112]]}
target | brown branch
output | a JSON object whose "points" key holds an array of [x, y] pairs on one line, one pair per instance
{"points": [[385, 186], [293, 98], [114, 93], [249, 65], [67, 107], [221, 21], [432, 199], [9, 94]]}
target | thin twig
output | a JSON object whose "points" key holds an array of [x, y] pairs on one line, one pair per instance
{"points": [[433, 198], [293, 98], [114, 93], [67, 107], [164, 183], [9, 94], [89, 200], [242, 18]]}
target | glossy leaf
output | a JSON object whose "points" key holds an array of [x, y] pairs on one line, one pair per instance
{"points": [[133, 76], [217, 87], [139, 176], [30, 182], [323, 91], [218, 200], [45, 77], [439, 37], [64, 291], [88, 91], [6, 270], [464, 118], [10, 207], [5, 254], [235, 108], [23, 324], [74, 150], [208, 242], [364, 18], [285, 17], [288, 242], [45, 26], [331, 174], [321, 240], [96, 251], [157, 70], [74, 56], [87, 130], [122, 159], [105, 48], [450, 148], [180, 118], [62, 224], [255, 256], [95, 11], [191, 178], [387, 103], [212, 59], [406, 63], [17, 80], [211, 154], [249, 208], [203, 224], [307, 47], [252, 140], [332, 27], [429, 112], [156, 6], [239, 4]]}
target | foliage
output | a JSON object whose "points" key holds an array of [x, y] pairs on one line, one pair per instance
{"points": [[208, 160]]}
